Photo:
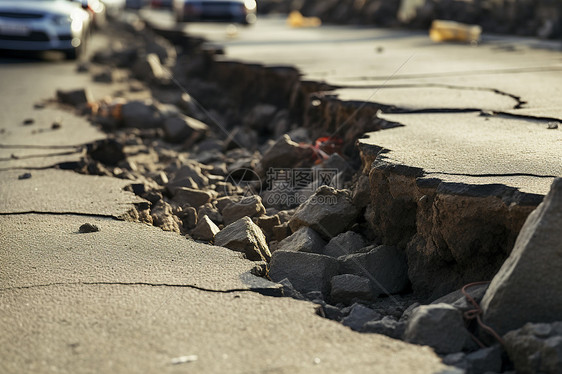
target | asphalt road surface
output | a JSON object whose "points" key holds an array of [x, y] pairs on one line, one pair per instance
{"points": [[132, 298], [472, 114]]}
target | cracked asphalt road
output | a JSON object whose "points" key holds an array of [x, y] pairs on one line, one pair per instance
{"points": [[132, 298], [437, 91]]}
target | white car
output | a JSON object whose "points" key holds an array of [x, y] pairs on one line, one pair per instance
{"points": [[236, 11], [40, 25]]}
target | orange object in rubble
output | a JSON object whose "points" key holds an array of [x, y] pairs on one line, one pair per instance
{"points": [[450, 31]]}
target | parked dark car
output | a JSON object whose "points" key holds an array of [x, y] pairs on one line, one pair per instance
{"points": [[236, 11], [40, 25], [162, 4]]}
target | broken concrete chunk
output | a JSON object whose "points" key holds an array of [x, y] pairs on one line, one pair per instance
{"points": [[163, 217], [191, 197], [285, 153], [246, 237], [205, 230], [289, 290], [186, 176], [527, 288], [329, 212], [345, 244], [386, 266], [386, 326], [250, 206], [141, 114], [149, 68], [88, 228], [267, 223], [359, 316], [439, 326], [536, 348], [304, 240], [210, 211], [77, 98], [347, 287], [306, 271], [487, 360], [281, 232], [179, 128]]}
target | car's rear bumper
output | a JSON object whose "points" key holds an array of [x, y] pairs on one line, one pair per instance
{"points": [[28, 45]]}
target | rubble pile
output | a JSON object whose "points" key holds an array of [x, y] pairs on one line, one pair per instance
{"points": [[249, 178]]}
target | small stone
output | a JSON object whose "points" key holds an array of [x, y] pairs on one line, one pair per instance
{"points": [[205, 230], [485, 360], [250, 206], [306, 271], [345, 244], [347, 287], [534, 352], [304, 240], [56, 126], [77, 98], [329, 212], [386, 266], [359, 316], [386, 326], [88, 228], [285, 153], [289, 290], [28, 121], [439, 326], [552, 125], [192, 197], [179, 128], [246, 237], [267, 223], [280, 232], [24, 176]]}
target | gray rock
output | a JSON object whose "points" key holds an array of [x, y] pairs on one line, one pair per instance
{"points": [[192, 197], [536, 348], [225, 201], [210, 211], [459, 301], [260, 116], [186, 176], [485, 360], [518, 294], [347, 287], [386, 267], [179, 128], [306, 271], [281, 231], [189, 217], [205, 230], [149, 68], [329, 212], [246, 237], [267, 223], [332, 312], [439, 326], [456, 359], [163, 217], [345, 244], [285, 153], [359, 316], [408, 312], [289, 290], [386, 326], [75, 98], [304, 240], [141, 114], [250, 206]]}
